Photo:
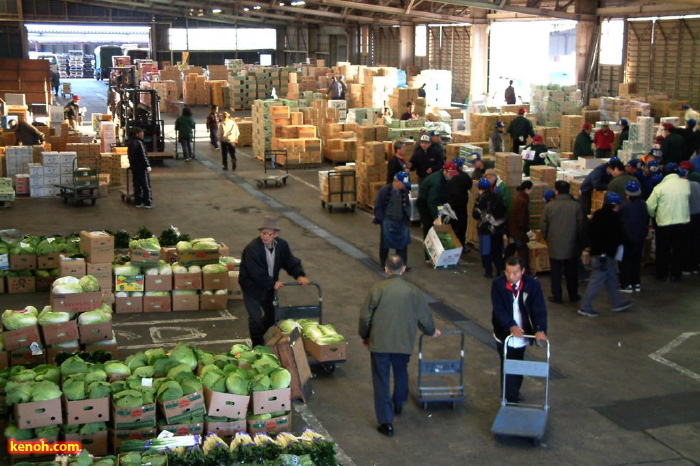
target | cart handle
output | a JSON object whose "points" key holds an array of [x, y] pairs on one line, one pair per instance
{"points": [[318, 287], [537, 343], [445, 332]]}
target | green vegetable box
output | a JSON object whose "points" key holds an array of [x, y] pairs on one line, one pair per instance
{"points": [[442, 246]]}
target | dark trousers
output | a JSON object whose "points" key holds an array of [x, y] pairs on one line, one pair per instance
{"points": [[213, 138], [142, 187], [631, 264], [517, 143], [426, 219], [568, 268], [670, 250], [186, 144], [261, 316], [459, 226], [513, 382], [382, 366], [602, 153], [228, 149], [522, 251], [384, 251], [55, 90], [495, 257], [586, 202], [693, 256]]}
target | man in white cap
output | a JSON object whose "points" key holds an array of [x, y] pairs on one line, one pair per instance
{"points": [[425, 159], [261, 262]]}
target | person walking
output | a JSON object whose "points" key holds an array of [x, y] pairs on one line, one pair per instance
{"points": [[261, 262], [425, 159], [55, 82], [71, 112], [606, 237], [496, 140], [392, 312], [458, 198], [518, 309], [184, 125], [669, 206], [510, 94], [392, 212], [520, 129], [518, 226], [582, 143], [140, 170], [539, 153], [489, 211], [563, 229], [213, 121], [603, 140], [635, 228], [228, 135]]}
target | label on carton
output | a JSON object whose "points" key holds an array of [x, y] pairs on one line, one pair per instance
{"points": [[4, 261], [166, 434], [147, 382], [36, 349]]}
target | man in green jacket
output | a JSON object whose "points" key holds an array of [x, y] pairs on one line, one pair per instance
{"points": [[432, 193], [392, 312], [582, 144]]}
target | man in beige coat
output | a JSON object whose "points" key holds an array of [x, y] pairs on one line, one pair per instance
{"points": [[228, 134]]}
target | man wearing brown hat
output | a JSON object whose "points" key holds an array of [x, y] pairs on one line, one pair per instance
{"points": [[261, 262]]}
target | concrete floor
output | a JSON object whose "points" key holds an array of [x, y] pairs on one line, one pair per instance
{"points": [[625, 388]]}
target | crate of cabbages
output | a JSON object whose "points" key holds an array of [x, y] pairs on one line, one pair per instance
{"points": [[200, 251], [324, 345]]}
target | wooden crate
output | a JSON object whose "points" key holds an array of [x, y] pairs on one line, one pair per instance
{"points": [[539, 257]]}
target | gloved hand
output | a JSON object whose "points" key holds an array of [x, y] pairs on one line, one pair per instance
{"points": [[530, 235], [148, 169]]}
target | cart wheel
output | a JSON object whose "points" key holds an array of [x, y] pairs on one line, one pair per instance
{"points": [[93, 201], [323, 204], [260, 184], [328, 367], [536, 442]]}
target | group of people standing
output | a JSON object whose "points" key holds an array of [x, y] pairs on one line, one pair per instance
{"points": [[222, 128]]}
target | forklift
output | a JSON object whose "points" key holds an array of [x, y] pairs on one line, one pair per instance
{"points": [[141, 108]]}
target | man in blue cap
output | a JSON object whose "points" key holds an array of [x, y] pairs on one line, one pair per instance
{"points": [[624, 134], [606, 238], [635, 228], [392, 212], [496, 139], [436, 142], [597, 179]]}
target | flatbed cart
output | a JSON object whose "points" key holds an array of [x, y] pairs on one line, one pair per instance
{"points": [[127, 195], [308, 311], [66, 89], [520, 419], [86, 182], [440, 380], [338, 189], [275, 179]]}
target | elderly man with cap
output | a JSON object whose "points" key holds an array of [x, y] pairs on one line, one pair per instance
{"points": [[436, 142], [496, 139], [458, 198], [398, 162], [392, 212], [499, 186], [538, 152], [669, 206], [432, 193], [520, 129], [603, 140], [582, 144], [624, 134], [673, 145], [635, 228], [490, 213], [597, 179], [71, 112], [606, 238], [620, 177], [261, 262], [425, 159]]}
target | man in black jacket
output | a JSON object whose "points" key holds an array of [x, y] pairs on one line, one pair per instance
{"points": [[426, 159], [261, 262], [606, 236], [518, 309], [140, 169], [398, 162]]}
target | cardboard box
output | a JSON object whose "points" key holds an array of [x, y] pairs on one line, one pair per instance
{"points": [[49, 261], [159, 283], [4, 364], [72, 267], [95, 332], [23, 261], [234, 288], [225, 429], [76, 302], [225, 404], [58, 333], [187, 281], [51, 352], [273, 425], [21, 285], [143, 258], [177, 410], [26, 357], [21, 338], [133, 418], [44, 283], [214, 281], [186, 302], [183, 429], [270, 401], [157, 304], [128, 305], [213, 302], [97, 246], [117, 436], [97, 444], [442, 254], [133, 283], [84, 411], [38, 414], [198, 257], [102, 273], [326, 353]]}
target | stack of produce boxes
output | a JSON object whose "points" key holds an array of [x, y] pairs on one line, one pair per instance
{"points": [[299, 140], [7, 192], [509, 167], [245, 139], [263, 124], [213, 276], [339, 142], [371, 169], [98, 249], [571, 126], [145, 253]]}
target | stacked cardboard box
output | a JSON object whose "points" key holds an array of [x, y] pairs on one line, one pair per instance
{"points": [[17, 160], [371, 168], [613, 109], [195, 91], [245, 127], [338, 185], [399, 98], [509, 167], [543, 174], [483, 124], [379, 83], [217, 89], [234, 65], [263, 124], [549, 103], [274, 122], [536, 205], [550, 135], [217, 72], [243, 91], [172, 73], [570, 128], [293, 86], [339, 142]]}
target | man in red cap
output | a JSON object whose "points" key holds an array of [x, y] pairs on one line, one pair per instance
{"points": [[603, 140], [582, 144], [673, 145], [432, 193], [71, 112], [537, 152], [520, 129], [693, 175]]}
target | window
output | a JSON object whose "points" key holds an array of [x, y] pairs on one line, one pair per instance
{"points": [[611, 42], [226, 39], [421, 49]]}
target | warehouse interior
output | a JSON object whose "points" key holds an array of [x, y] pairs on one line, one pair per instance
{"points": [[620, 389]]}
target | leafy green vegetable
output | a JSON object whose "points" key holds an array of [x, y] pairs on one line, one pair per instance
{"points": [[22, 318], [89, 283]]}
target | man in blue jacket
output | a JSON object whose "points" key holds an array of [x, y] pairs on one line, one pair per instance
{"points": [[518, 309], [598, 180]]}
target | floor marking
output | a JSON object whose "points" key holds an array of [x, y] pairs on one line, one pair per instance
{"points": [[658, 355], [186, 333], [176, 321], [245, 341]]}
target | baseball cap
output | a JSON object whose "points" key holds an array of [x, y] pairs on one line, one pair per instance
{"points": [[549, 195], [587, 126], [490, 172], [404, 178], [612, 198], [668, 126], [682, 172], [459, 163], [521, 111], [686, 106], [671, 167], [483, 183], [686, 165], [76, 97], [435, 133], [451, 168], [424, 138], [656, 153], [633, 188], [623, 122], [656, 178], [538, 139], [634, 163], [691, 123], [653, 166], [499, 124]]}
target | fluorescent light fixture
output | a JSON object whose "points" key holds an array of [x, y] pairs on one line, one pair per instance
{"points": [[298, 3], [245, 8], [664, 18], [256, 7], [216, 11], [281, 3]]}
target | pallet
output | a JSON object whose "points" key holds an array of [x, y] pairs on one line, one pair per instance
{"points": [[300, 166]]}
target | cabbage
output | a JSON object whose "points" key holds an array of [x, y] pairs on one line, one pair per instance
{"points": [[260, 383], [239, 348], [128, 399], [153, 355], [14, 320], [288, 325], [74, 387], [96, 375], [214, 380], [184, 354], [189, 382], [143, 371], [205, 245], [157, 293], [18, 392], [98, 316], [89, 283], [93, 428], [2, 343], [152, 271], [74, 365], [280, 378], [98, 390], [214, 268], [122, 294], [48, 317], [136, 360], [184, 292], [169, 390], [47, 432], [66, 281], [237, 385], [47, 372], [67, 288], [164, 268], [179, 268], [203, 357], [149, 244], [46, 390], [137, 294], [183, 246], [330, 339], [127, 270], [173, 373], [195, 269], [162, 366], [220, 292], [259, 417], [15, 433], [116, 368]]}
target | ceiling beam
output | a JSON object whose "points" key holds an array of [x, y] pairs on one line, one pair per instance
{"points": [[323, 13], [416, 15], [647, 9], [521, 9]]}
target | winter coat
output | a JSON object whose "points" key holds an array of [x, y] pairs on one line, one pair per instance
{"points": [[253, 275], [490, 212], [422, 160], [433, 190], [519, 218], [138, 157], [563, 227], [606, 232], [635, 221], [184, 125], [520, 126], [540, 154], [228, 131], [582, 145], [673, 148], [531, 304]]}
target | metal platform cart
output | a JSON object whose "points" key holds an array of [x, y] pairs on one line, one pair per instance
{"points": [[86, 182], [66, 90], [127, 195], [275, 178], [305, 311], [441, 380], [520, 419], [338, 189]]}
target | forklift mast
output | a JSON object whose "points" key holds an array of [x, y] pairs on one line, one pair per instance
{"points": [[141, 108]]}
